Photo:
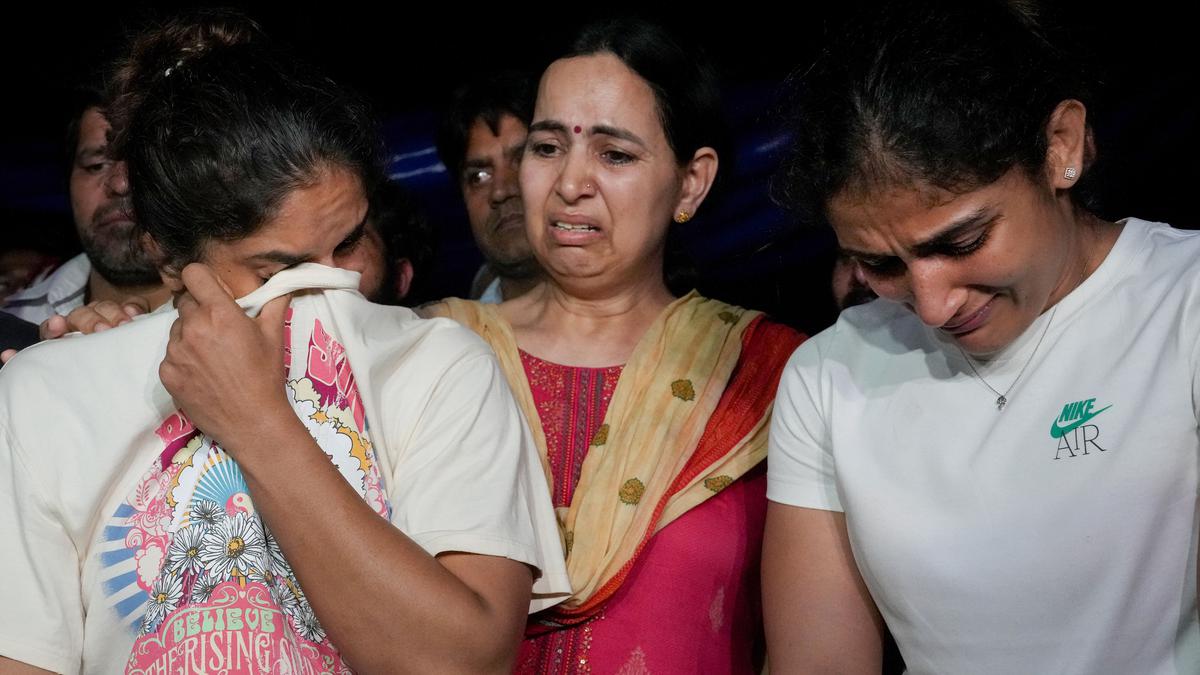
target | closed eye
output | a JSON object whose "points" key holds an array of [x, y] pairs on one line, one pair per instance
{"points": [[963, 249], [883, 266], [353, 240]]}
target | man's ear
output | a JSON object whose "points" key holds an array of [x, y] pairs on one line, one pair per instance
{"points": [[404, 277]]}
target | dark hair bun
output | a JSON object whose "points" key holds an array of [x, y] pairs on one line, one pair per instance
{"points": [[167, 53]]}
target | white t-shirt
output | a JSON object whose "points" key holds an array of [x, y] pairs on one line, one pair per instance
{"points": [[130, 543], [1056, 536]]}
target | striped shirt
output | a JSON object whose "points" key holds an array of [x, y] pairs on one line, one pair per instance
{"points": [[59, 292]]}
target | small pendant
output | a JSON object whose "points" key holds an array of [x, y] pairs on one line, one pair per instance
{"points": [[1001, 402]]}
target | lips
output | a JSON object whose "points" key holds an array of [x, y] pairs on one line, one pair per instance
{"points": [[113, 213], [509, 220], [572, 230], [961, 325], [118, 219]]}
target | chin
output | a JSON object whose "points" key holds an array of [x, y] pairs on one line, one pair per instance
{"points": [[986, 343]]}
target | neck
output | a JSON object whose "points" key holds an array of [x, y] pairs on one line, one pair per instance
{"points": [[593, 330], [1093, 238], [511, 288], [100, 289]]}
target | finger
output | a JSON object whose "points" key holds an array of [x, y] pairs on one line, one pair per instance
{"points": [[86, 320], [6, 355], [52, 328], [135, 305], [111, 312], [168, 367], [270, 319], [204, 286], [185, 304]]}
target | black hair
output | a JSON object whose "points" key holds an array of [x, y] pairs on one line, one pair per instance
{"points": [[218, 125], [82, 98], [406, 233], [487, 98], [947, 94]]}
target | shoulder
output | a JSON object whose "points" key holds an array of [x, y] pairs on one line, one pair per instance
{"points": [[869, 345], [83, 374], [463, 311], [1150, 271], [875, 329], [1172, 250], [433, 334], [69, 276], [55, 292]]}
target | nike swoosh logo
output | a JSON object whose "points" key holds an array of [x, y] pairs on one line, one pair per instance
{"points": [[1057, 431]]}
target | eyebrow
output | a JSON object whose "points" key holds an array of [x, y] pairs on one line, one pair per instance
{"points": [[601, 129], [359, 231], [938, 242], [90, 152], [282, 257]]}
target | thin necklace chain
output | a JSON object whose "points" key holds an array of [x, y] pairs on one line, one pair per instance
{"points": [[1002, 397]]}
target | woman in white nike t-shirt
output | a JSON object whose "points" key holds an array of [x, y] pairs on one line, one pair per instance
{"points": [[999, 457]]}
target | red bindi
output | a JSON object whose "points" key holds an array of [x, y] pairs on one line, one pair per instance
{"points": [[578, 128]]}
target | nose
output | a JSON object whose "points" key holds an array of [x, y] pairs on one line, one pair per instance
{"points": [[932, 293], [575, 177], [505, 184], [117, 180]]}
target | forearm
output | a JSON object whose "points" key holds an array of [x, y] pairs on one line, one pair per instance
{"points": [[10, 667], [384, 601], [818, 613]]}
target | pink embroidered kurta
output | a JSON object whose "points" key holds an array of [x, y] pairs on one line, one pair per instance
{"points": [[691, 603]]}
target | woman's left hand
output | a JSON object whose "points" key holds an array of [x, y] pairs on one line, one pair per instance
{"points": [[223, 368]]}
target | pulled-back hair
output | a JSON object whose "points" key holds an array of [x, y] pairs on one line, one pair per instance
{"points": [[941, 93], [218, 125], [685, 84]]}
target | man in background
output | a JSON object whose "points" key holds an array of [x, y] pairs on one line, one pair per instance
{"points": [[481, 140], [114, 264]]}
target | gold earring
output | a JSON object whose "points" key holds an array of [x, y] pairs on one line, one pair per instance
{"points": [[682, 217], [1070, 173]]}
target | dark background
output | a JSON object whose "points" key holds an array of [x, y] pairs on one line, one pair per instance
{"points": [[407, 58]]}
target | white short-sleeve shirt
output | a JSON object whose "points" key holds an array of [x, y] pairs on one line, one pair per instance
{"points": [[129, 542], [1056, 536]]}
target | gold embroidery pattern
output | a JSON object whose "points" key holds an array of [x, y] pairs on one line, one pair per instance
{"points": [[682, 390], [601, 436], [631, 492], [585, 647], [569, 541], [729, 317], [717, 483]]}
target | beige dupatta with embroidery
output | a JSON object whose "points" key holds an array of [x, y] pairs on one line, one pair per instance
{"points": [[660, 408]]}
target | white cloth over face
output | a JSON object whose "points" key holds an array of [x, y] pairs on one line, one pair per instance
{"points": [[130, 541]]}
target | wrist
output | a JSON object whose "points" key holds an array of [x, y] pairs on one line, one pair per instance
{"points": [[269, 429]]}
